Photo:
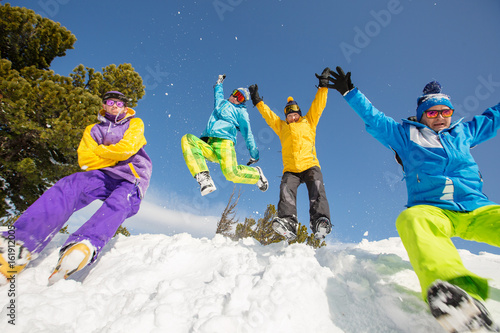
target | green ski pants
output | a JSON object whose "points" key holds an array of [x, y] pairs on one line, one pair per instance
{"points": [[220, 151], [426, 231]]}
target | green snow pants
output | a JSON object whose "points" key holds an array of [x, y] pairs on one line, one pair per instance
{"points": [[426, 231], [220, 151]]}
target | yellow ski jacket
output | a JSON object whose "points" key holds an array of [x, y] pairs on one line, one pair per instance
{"points": [[298, 140], [117, 148]]}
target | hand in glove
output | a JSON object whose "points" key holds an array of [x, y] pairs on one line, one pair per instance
{"points": [[221, 78], [252, 161], [254, 94], [323, 78], [341, 81]]}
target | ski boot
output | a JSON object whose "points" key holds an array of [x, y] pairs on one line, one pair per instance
{"points": [[206, 183], [457, 311], [72, 259], [13, 259], [285, 228], [321, 227], [262, 183]]}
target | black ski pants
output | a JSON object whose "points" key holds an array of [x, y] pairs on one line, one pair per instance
{"points": [[318, 204]]}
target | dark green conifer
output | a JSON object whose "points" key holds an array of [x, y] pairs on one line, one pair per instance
{"points": [[244, 230], [122, 231], [27, 39]]}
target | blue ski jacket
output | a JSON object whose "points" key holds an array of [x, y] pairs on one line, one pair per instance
{"points": [[438, 167], [228, 118]]}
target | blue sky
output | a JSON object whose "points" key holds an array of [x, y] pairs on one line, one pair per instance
{"points": [[393, 48]]}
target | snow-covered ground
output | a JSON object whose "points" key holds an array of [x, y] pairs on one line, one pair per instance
{"points": [[159, 283]]}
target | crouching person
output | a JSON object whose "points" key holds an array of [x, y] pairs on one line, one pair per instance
{"points": [[445, 198], [117, 171]]}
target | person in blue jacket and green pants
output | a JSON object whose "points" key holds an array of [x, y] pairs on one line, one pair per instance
{"points": [[445, 197], [217, 142]]}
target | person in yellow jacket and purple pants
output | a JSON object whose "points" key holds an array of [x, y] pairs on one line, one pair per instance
{"points": [[300, 164], [116, 170]]}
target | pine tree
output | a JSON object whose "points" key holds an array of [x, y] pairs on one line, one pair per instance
{"points": [[122, 231], [27, 39], [228, 217], [42, 114], [244, 230], [304, 237], [64, 230], [8, 221], [263, 231]]}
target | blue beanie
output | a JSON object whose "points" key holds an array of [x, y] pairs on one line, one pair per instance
{"points": [[432, 96]]}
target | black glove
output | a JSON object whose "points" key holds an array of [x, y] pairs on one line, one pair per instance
{"points": [[254, 94], [341, 81], [323, 78], [221, 78], [252, 161]]}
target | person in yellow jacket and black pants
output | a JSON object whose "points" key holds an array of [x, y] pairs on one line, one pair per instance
{"points": [[300, 164]]}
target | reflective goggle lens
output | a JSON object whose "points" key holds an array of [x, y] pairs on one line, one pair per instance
{"points": [[292, 108], [119, 104], [238, 95], [434, 113]]}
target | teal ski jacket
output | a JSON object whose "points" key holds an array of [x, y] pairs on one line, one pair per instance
{"points": [[438, 167], [228, 118]]}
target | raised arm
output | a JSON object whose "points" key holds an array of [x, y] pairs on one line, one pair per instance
{"points": [[269, 116], [383, 128], [219, 91]]}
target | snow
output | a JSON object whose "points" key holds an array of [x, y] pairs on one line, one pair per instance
{"points": [[179, 283]]}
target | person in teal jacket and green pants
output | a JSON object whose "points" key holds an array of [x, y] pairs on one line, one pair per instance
{"points": [[217, 142], [445, 197]]}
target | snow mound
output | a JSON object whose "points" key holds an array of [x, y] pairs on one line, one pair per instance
{"points": [[158, 283]]}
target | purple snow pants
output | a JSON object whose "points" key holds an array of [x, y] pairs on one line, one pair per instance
{"points": [[46, 216]]}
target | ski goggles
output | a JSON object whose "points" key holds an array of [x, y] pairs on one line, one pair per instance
{"points": [[238, 95], [292, 108], [434, 113], [110, 102]]}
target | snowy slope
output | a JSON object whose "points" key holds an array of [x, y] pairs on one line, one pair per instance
{"points": [[158, 283]]}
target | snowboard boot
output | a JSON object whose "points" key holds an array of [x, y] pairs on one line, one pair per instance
{"points": [[13, 259], [321, 227], [457, 311], [285, 228], [206, 183], [262, 183], [72, 259]]}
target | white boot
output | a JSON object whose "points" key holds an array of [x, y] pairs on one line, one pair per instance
{"points": [[321, 227], [262, 183], [13, 259], [73, 259], [206, 183], [285, 228]]}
